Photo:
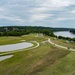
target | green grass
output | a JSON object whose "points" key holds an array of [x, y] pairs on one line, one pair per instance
{"points": [[65, 66], [63, 43], [9, 40], [40, 61], [13, 40]]}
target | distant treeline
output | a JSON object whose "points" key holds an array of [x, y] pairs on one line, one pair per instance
{"points": [[66, 38], [72, 31], [33, 27], [23, 30]]}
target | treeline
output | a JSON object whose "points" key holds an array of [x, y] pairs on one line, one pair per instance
{"points": [[66, 38], [33, 27], [72, 31], [23, 30]]}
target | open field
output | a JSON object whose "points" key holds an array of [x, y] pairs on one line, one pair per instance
{"points": [[65, 66], [63, 43], [43, 60]]}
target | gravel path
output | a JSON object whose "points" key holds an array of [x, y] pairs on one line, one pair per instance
{"points": [[49, 40]]}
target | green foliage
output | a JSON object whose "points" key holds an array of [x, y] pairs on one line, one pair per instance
{"points": [[18, 31], [72, 31], [66, 38]]}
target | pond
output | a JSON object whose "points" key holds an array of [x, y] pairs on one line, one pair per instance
{"points": [[65, 34], [12, 47], [5, 57]]}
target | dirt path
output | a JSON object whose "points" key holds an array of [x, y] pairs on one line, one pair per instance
{"points": [[49, 40]]}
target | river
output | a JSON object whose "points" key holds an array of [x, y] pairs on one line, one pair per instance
{"points": [[65, 34]]}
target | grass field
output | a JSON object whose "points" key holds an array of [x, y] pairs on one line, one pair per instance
{"points": [[64, 43], [44, 60]]}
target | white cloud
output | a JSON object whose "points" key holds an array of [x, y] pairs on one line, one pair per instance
{"points": [[49, 5], [6, 14], [10, 18], [34, 11], [1, 9], [39, 17], [64, 18], [39, 9], [60, 19], [53, 4], [73, 11]]}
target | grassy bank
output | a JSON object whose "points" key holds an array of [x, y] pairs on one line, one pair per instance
{"points": [[39, 61], [63, 43]]}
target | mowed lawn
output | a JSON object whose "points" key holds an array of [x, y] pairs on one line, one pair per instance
{"points": [[65, 66], [44, 60]]}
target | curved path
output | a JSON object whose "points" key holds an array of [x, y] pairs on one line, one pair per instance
{"points": [[49, 40], [22, 50]]}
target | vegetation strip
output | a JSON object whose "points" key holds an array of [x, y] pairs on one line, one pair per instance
{"points": [[59, 45]]}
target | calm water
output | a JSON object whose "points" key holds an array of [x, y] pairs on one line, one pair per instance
{"points": [[12, 47], [5, 57], [65, 34]]}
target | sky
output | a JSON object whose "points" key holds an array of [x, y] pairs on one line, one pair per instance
{"points": [[49, 13]]}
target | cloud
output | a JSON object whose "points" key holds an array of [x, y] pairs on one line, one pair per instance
{"points": [[1, 9], [10, 18], [6, 15], [35, 12], [55, 4], [40, 17], [39, 9], [73, 11], [63, 19], [49, 5]]}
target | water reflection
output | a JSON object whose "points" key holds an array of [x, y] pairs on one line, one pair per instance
{"points": [[12, 47], [65, 34], [5, 57]]}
